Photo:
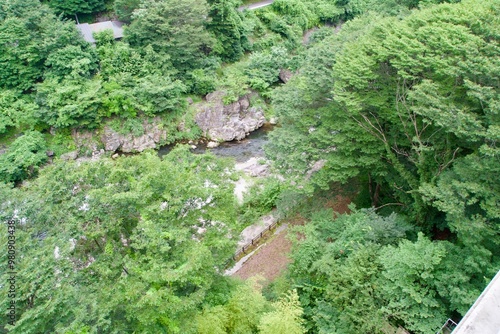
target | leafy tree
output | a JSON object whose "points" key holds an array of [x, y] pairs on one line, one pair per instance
{"points": [[467, 195], [394, 97], [115, 246], [72, 7], [227, 26], [133, 83], [37, 33], [156, 94], [264, 67], [336, 268], [16, 110], [71, 61], [174, 28], [203, 82], [245, 307], [125, 8], [213, 320], [296, 13], [69, 102], [411, 271], [23, 157], [286, 319]]}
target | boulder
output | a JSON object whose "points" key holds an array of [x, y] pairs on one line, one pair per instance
{"points": [[318, 165], [153, 135], [69, 156], [234, 121], [285, 75], [254, 167], [111, 139], [213, 144]]}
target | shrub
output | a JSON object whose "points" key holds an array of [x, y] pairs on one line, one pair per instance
{"points": [[23, 157]]}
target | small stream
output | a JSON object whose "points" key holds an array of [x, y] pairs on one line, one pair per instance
{"points": [[241, 151]]}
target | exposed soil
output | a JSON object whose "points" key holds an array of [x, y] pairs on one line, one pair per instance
{"points": [[272, 258], [339, 204], [269, 261]]}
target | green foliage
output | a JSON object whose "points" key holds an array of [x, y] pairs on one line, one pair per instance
{"points": [[227, 26], [286, 319], [157, 94], [394, 97], [408, 105], [69, 102], [264, 67], [41, 41], [262, 199], [296, 13], [410, 271], [113, 246], [72, 61], [23, 157], [16, 110], [174, 29], [203, 82], [235, 84], [277, 24], [61, 142], [125, 8], [72, 7], [335, 268]]}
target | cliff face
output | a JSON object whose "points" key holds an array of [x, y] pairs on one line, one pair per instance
{"points": [[152, 136], [234, 121]]}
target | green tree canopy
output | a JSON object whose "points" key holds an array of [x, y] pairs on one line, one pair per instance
{"points": [[401, 101], [226, 23], [23, 157], [33, 39], [174, 29], [134, 244], [72, 7]]}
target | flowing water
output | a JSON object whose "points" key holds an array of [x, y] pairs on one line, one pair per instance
{"points": [[241, 151]]}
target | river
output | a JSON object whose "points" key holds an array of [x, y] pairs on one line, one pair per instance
{"points": [[241, 151]]}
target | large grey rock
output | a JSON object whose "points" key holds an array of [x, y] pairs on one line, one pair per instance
{"points": [[234, 121], [212, 144], [152, 136], [285, 75], [111, 139], [318, 165], [69, 156], [254, 167]]}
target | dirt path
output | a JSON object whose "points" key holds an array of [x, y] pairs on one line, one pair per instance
{"points": [[271, 259]]}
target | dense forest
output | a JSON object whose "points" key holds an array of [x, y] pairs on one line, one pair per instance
{"points": [[393, 103]]}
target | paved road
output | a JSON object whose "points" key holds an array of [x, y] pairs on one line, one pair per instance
{"points": [[256, 5]]}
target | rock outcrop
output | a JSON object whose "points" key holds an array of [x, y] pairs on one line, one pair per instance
{"points": [[254, 167], [69, 156], [234, 121], [90, 143], [152, 136], [285, 75]]}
